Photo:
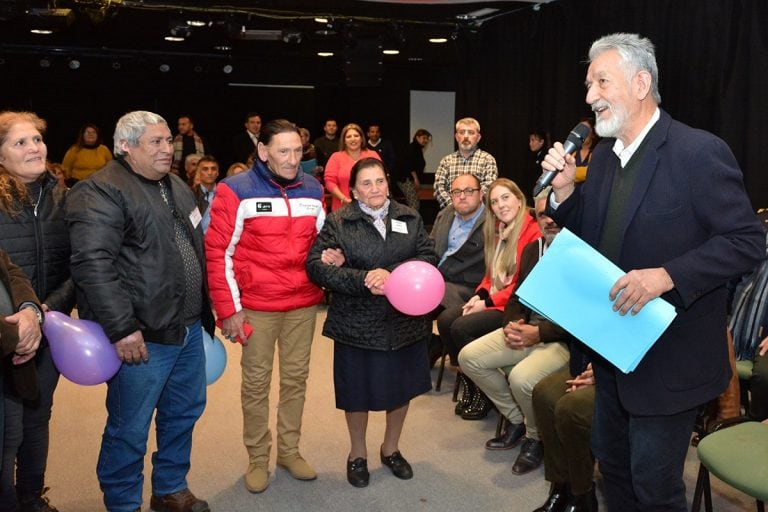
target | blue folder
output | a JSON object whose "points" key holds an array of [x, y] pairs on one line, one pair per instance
{"points": [[570, 286]]}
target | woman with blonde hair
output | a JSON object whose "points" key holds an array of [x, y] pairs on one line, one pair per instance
{"points": [[508, 228], [339, 166]]}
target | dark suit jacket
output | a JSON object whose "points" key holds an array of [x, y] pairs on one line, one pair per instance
{"points": [[20, 290], [242, 147], [688, 212], [467, 265]]}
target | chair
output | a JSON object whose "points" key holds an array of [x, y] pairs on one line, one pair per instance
{"points": [[736, 452]]}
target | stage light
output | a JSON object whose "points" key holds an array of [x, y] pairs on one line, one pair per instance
{"points": [[227, 69], [45, 63], [74, 64], [164, 68]]}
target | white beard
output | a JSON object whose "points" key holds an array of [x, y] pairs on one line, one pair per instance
{"points": [[610, 127]]}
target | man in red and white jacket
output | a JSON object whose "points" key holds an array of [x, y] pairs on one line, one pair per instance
{"points": [[263, 224]]}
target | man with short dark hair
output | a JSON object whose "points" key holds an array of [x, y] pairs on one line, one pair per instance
{"points": [[328, 143], [139, 269], [244, 143], [186, 143], [458, 236], [382, 146], [206, 174]]}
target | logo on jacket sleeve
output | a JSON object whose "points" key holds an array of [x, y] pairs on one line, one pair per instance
{"points": [[263, 206]]}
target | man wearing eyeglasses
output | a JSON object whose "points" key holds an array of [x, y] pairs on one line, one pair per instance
{"points": [[469, 159], [458, 237]]}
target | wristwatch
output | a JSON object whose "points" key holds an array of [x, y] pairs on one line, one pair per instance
{"points": [[34, 307]]}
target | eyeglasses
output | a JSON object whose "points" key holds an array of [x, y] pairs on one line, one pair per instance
{"points": [[457, 192]]}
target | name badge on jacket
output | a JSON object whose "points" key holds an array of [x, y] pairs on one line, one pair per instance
{"points": [[399, 226]]}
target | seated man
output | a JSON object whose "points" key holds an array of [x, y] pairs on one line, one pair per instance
{"points": [[532, 345], [458, 237], [563, 404]]}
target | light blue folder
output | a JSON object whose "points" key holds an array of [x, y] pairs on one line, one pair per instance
{"points": [[570, 286]]}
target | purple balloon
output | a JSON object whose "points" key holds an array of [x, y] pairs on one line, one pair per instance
{"points": [[415, 288], [80, 349]]}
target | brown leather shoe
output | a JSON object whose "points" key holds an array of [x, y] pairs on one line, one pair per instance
{"points": [[182, 501]]}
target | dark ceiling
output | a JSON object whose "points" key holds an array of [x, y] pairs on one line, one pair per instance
{"points": [[125, 34]]}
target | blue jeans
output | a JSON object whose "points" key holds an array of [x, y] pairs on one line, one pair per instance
{"points": [[25, 436], [172, 382]]}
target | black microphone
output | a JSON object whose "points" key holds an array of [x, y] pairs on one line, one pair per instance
{"points": [[572, 143]]}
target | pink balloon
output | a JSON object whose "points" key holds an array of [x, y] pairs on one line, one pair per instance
{"points": [[415, 288], [80, 349]]}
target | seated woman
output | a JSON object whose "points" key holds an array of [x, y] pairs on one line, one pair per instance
{"points": [[379, 360], [531, 346], [507, 230]]}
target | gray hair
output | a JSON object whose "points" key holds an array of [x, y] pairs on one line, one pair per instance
{"points": [[637, 54], [131, 127]]}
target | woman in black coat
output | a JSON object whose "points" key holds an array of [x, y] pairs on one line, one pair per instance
{"points": [[380, 360], [36, 238]]}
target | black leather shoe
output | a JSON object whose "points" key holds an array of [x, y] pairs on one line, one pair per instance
{"points": [[399, 466], [507, 440], [583, 503], [34, 501], [557, 500], [357, 472], [470, 390], [479, 407], [530, 457]]}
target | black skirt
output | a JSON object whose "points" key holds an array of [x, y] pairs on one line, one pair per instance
{"points": [[373, 380]]}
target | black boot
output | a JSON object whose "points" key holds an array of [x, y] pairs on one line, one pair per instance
{"points": [[557, 499], [470, 390], [586, 502], [34, 501], [479, 407]]}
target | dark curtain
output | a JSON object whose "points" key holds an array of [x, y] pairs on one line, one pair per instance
{"points": [[527, 70]]}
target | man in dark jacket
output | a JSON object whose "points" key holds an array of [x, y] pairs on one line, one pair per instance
{"points": [[139, 269], [458, 237], [666, 203]]}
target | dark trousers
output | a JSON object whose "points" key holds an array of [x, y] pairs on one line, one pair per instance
{"points": [[25, 439], [641, 458], [564, 421], [758, 385], [457, 331]]}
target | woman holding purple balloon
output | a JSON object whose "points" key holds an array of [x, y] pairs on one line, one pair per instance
{"points": [[36, 238], [380, 359]]}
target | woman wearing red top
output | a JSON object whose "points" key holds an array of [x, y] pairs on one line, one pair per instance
{"points": [[340, 164], [508, 228]]}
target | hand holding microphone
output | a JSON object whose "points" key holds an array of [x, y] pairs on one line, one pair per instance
{"points": [[555, 160]]}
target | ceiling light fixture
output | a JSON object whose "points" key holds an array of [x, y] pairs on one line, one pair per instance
{"points": [[164, 68], [74, 64], [321, 20], [227, 69], [42, 31], [325, 54], [174, 39], [391, 52], [196, 23], [438, 40], [45, 63]]}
